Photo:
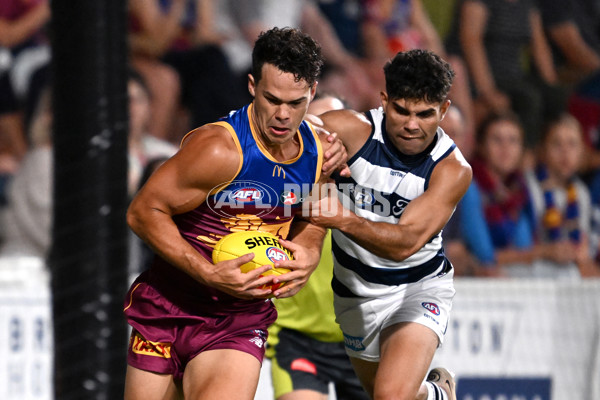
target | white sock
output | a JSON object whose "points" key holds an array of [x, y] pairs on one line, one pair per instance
{"points": [[434, 392]]}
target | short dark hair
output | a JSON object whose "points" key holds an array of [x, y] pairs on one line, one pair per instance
{"points": [[290, 50], [418, 75]]}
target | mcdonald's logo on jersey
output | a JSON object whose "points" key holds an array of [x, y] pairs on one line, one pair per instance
{"points": [[279, 170]]}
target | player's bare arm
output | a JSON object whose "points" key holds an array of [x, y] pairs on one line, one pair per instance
{"points": [[335, 154], [423, 218], [207, 158], [352, 127], [306, 243]]}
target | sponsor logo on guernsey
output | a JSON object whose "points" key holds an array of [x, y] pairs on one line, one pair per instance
{"points": [[397, 173], [139, 345], [302, 364], [431, 307], [274, 254], [279, 171], [289, 198], [354, 343], [398, 207]]}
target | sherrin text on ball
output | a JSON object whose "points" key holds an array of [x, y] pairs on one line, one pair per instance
{"points": [[265, 246]]}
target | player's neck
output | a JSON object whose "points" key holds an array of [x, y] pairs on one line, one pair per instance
{"points": [[281, 151]]}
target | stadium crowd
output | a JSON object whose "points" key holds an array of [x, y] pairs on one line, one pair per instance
{"points": [[525, 107]]}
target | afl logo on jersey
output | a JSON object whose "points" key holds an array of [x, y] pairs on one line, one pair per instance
{"points": [[274, 254], [247, 194], [363, 198], [432, 308], [232, 198]]}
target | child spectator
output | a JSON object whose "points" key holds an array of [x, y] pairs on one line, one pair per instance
{"points": [[561, 201]]}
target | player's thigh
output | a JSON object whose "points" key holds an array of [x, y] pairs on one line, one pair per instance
{"points": [[146, 385], [366, 372], [221, 374], [407, 350]]}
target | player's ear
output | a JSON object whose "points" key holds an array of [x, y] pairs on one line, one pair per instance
{"points": [[384, 99], [251, 85], [444, 108], [313, 91]]}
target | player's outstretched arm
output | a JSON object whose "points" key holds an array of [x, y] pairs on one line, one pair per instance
{"points": [[207, 159], [423, 218]]}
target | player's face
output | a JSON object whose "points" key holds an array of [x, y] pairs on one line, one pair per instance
{"points": [[280, 104], [411, 125]]}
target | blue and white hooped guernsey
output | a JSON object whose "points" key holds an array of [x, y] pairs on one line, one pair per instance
{"points": [[383, 182]]}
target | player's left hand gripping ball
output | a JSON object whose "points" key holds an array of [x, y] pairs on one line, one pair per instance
{"points": [[265, 246]]}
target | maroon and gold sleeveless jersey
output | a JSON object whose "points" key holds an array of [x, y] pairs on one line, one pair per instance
{"points": [[264, 196]]}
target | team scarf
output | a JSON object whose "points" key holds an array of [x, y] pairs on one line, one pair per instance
{"points": [[503, 201], [555, 222]]}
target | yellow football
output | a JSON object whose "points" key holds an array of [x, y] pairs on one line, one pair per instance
{"points": [[265, 246]]}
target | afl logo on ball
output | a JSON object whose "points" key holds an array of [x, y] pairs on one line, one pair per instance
{"points": [[274, 254]]}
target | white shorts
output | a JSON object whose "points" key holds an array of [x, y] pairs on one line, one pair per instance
{"points": [[427, 302]]}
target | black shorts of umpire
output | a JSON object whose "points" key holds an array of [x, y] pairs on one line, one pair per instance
{"points": [[301, 362]]}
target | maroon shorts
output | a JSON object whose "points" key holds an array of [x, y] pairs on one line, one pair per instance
{"points": [[166, 337]]}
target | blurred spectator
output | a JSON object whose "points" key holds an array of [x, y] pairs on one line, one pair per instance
{"points": [[454, 125], [180, 33], [561, 201], [498, 227], [151, 32], [23, 46], [499, 40], [465, 263], [27, 218], [143, 147], [242, 20], [574, 31], [345, 18], [390, 26]]}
